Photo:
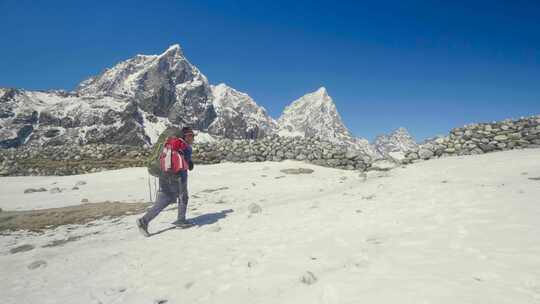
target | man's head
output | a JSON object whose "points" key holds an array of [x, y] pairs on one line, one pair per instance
{"points": [[188, 135]]}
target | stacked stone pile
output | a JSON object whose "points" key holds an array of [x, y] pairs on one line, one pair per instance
{"points": [[482, 138]]}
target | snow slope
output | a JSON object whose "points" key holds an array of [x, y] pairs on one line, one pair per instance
{"points": [[453, 230]]}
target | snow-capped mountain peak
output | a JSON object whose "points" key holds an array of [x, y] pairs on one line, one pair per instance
{"points": [[395, 145], [313, 114], [174, 50], [165, 85], [143, 74], [316, 115], [238, 115], [321, 92]]}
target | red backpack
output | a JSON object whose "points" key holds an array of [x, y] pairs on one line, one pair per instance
{"points": [[171, 159]]}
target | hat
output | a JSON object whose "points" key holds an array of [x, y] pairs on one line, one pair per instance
{"points": [[186, 131]]}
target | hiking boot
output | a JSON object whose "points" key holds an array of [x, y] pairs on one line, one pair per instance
{"points": [[183, 223], [143, 227]]}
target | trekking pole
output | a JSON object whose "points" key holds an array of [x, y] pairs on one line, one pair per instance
{"points": [[155, 188], [149, 188]]}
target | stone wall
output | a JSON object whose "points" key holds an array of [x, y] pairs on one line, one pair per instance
{"points": [[482, 138], [471, 139], [68, 160], [276, 148]]}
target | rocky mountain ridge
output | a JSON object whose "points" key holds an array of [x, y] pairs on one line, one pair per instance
{"points": [[134, 101]]}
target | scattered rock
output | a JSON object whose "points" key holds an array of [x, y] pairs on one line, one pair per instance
{"points": [[80, 183], [84, 200], [254, 208], [31, 190], [297, 171], [308, 278], [188, 285], [37, 264], [21, 248], [368, 197], [55, 190], [279, 177], [161, 301], [535, 178], [75, 188]]}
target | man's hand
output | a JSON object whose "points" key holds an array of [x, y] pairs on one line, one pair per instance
{"points": [[191, 165]]}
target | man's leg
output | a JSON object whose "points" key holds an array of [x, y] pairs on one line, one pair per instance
{"points": [[162, 201], [182, 200], [167, 194]]}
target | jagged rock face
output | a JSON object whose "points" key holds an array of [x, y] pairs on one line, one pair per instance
{"points": [[18, 118], [238, 116], [130, 103], [58, 118], [315, 115], [165, 85], [395, 145]]}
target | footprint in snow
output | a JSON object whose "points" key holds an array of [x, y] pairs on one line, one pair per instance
{"points": [[22, 248], [37, 264], [115, 291]]}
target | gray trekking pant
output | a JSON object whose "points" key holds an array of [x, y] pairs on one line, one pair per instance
{"points": [[171, 190]]}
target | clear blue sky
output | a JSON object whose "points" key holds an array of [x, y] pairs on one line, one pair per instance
{"points": [[426, 65]]}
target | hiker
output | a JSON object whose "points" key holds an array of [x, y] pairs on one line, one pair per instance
{"points": [[172, 188]]}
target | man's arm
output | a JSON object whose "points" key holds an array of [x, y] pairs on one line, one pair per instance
{"points": [[187, 154]]}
